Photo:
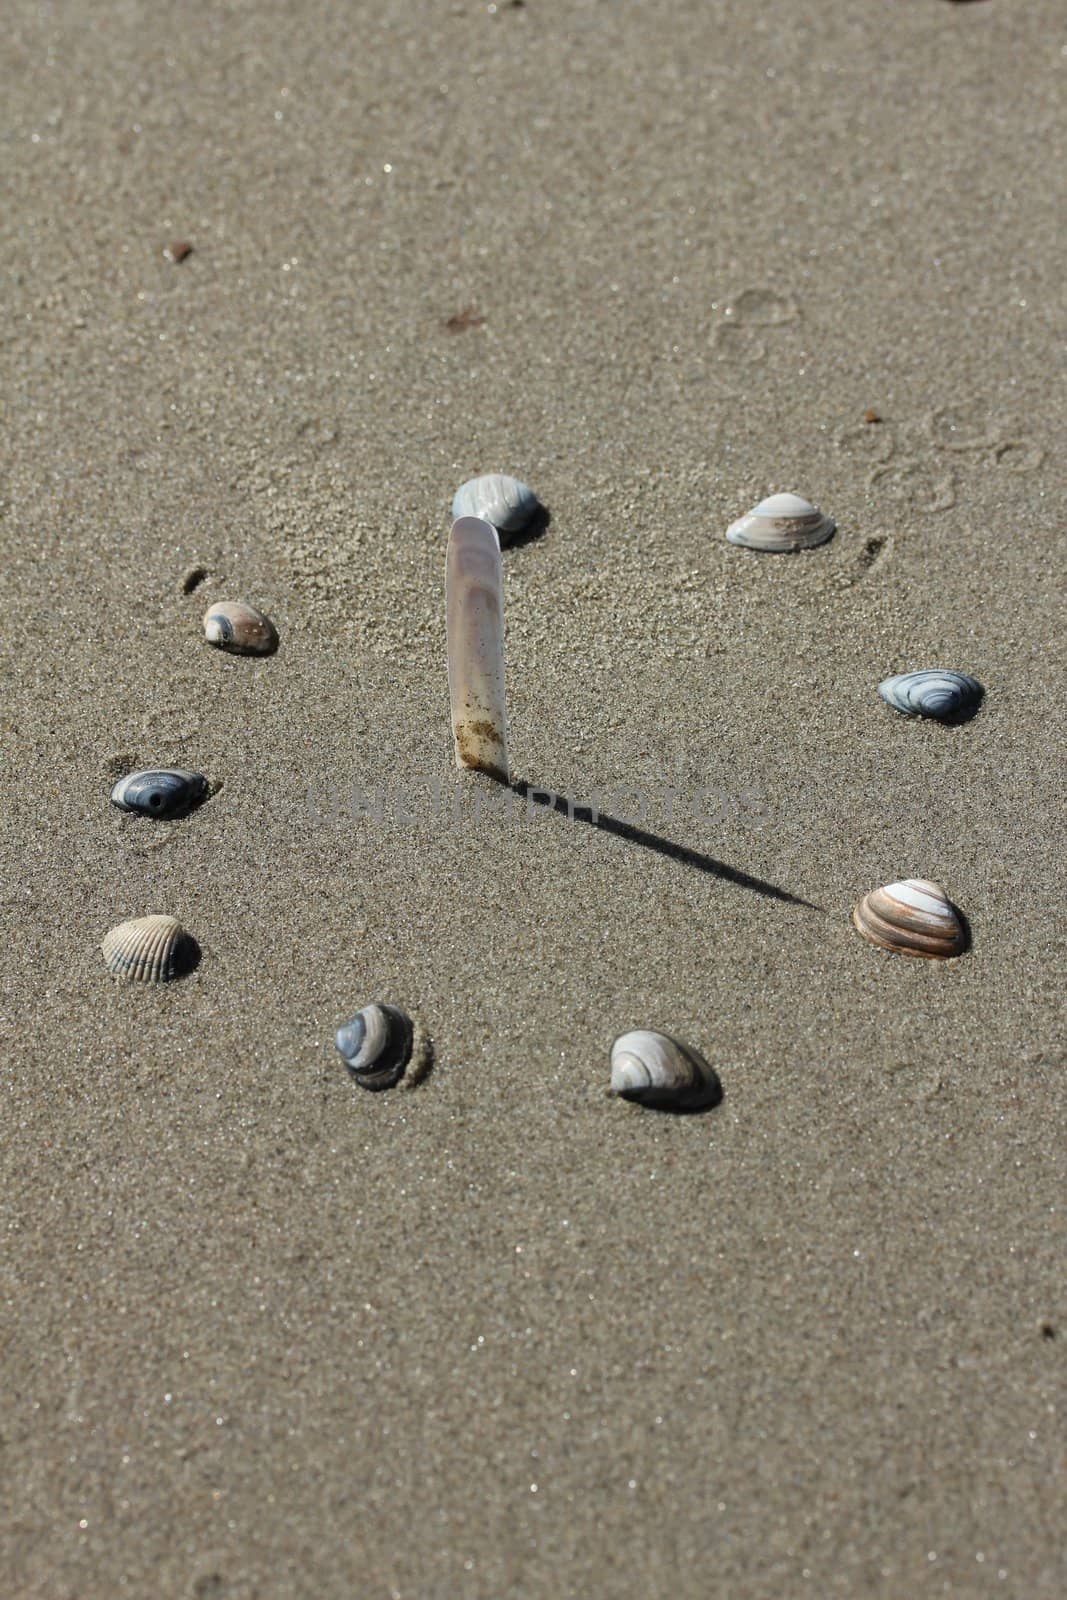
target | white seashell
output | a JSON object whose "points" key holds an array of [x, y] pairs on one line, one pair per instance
{"points": [[474, 605], [656, 1070], [166, 792], [912, 918], [783, 522], [239, 628], [507, 503], [149, 950], [377, 1045], [946, 695]]}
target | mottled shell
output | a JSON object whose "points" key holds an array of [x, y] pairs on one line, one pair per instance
{"points": [[656, 1070], [783, 522], [507, 503], [377, 1045], [239, 628], [166, 792], [912, 918], [934, 693], [149, 950]]}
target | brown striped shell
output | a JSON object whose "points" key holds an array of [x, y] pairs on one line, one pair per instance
{"points": [[912, 918]]}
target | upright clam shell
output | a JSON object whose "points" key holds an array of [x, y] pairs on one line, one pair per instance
{"points": [[506, 502], [656, 1070], [474, 605], [239, 628], [166, 792], [932, 693], [782, 522], [149, 950], [912, 918], [377, 1045]]}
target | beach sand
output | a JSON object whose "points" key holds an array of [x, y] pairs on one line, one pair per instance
{"points": [[267, 1335]]}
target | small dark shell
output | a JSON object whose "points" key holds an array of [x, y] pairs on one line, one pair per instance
{"points": [[377, 1045], [239, 628], [166, 792]]}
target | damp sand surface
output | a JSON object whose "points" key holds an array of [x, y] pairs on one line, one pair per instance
{"points": [[268, 1336]]}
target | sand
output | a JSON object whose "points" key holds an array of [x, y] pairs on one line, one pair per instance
{"points": [[267, 1335]]}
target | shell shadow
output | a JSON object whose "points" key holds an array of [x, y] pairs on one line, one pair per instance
{"points": [[531, 531], [187, 957], [536, 795], [964, 922], [712, 1097]]}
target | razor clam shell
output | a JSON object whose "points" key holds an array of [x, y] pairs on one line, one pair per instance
{"points": [[657, 1070], [377, 1045], [506, 502], [164, 792], [149, 950], [934, 692], [239, 628], [782, 522], [913, 918], [474, 605]]}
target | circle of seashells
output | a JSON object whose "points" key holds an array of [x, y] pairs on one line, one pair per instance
{"points": [[381, 1043]]}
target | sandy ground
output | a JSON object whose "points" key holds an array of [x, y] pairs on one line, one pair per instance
{"points": [[267, 1335]]}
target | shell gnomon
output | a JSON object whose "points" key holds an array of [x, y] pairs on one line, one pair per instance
{"points": [[474, 606]]}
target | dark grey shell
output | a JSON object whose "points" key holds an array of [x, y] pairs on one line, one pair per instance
{"points": [[164, 792], [377, 1045], [937, 692]]}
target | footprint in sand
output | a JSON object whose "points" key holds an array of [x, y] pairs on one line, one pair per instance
{"points": [[1017, 455], [747, 319], [966, 429], [914, 484], [874, 440]]}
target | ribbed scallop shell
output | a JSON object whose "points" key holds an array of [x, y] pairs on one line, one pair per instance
{"points": [[782, 522], [166, 792], [149, 950], [507, 503], [933, 693], [239, 628], [912, 918], [656, 1070], [377, 1045]]}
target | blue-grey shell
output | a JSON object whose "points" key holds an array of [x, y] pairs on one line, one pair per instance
{"points": [[942, 694], [377, 1045], [507, 503], [166, 792]]}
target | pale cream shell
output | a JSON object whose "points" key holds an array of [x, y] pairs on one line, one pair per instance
{"points": [[148, 950]]}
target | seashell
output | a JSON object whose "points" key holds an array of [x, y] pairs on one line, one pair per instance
{"points": [[507, 503], [783, 522], [913, 918], [232, 625], [656, 1070], [167, 792], [149, 950], [938, 693], [377, 1045], [474, 606]]}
